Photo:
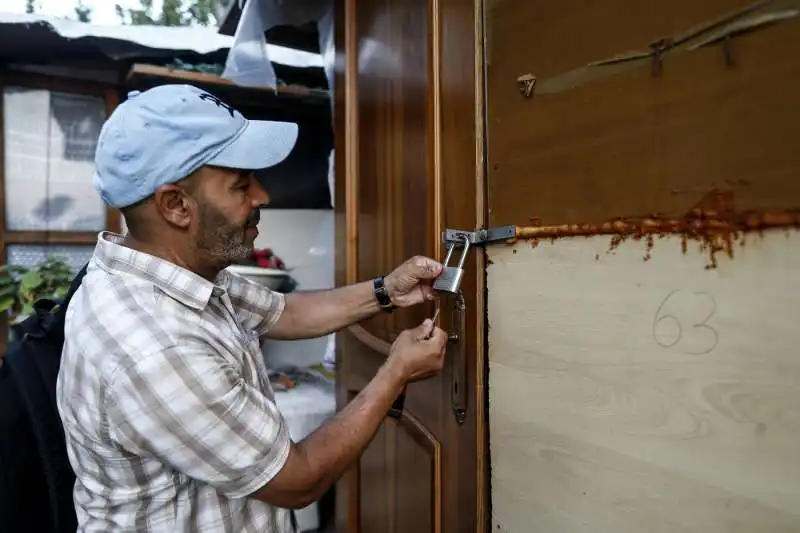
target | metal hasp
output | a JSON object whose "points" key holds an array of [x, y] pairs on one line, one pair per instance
{"points": [[457, 359], [449, 282], [479, 236]]}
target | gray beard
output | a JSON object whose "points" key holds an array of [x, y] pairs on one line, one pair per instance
{"points": [[221, 241]]}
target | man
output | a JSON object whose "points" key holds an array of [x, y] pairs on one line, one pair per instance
{"points": [[169, 416]]}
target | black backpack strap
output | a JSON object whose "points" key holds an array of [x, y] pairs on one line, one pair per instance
{"points": [[35, 361], [23, 359], [76, 282], [22, 484]]}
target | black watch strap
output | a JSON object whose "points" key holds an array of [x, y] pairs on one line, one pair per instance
{"points": [[382, 295]]}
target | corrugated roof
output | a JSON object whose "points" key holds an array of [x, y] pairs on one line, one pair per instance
{"points": [[31, 37]]}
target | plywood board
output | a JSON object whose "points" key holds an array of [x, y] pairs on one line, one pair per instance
{"points": [[632, 143], [628, 395]]}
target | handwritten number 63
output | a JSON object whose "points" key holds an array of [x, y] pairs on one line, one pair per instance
{"points": [[682, 328]]}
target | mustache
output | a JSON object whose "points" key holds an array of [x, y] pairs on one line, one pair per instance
{"points": [[253, 219]]}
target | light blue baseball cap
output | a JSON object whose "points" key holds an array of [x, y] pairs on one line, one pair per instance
{"points": [[162, 135]]}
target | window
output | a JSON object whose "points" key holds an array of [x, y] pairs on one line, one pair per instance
{"points": [[48, 204], [49, 140], [31, 255]]}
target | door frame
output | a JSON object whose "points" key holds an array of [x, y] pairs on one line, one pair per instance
{"points": [[456, 76]]}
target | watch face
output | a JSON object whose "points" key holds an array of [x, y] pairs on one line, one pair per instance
{"points": [[382, 295]]}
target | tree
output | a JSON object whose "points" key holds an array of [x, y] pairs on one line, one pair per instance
{"points": [[174, 13], [83, 13]]}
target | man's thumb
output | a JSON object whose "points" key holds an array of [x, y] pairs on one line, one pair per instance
{"points": [[424, 329]]}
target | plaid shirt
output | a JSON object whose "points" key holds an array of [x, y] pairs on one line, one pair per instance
{"points": [[169, 416]]}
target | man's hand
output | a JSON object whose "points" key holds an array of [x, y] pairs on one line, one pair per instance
{"points": [[411, 283], [418, 353], [314, 464], [312, 314]]}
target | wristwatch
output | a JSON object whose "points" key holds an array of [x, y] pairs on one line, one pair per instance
{"points": [[382, 295]]}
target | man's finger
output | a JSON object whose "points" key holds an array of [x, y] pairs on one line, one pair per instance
{"points": [[425, 267], [439, 336], [436, 336], [427, 292]]}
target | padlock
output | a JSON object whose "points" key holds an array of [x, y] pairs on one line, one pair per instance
{"points": [[449, 280]]}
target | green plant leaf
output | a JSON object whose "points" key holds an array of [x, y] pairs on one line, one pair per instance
{"points": [[16, 269], [22, 287], [8, 289], [6, 303], [30, 280]]}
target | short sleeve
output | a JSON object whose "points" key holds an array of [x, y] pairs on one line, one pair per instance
{"points": [[257, 307], [189, 408]]}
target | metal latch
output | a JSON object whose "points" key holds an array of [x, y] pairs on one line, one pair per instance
{"points": [[449, 282], [479, 236]]}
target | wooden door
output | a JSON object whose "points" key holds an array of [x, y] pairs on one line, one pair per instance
{"points": [[409, 148]]}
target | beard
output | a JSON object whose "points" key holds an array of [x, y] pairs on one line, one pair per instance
{"points": [[221, 240]]}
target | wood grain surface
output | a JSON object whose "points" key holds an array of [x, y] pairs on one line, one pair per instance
{"points": [[408, 148], [634, 144], [630, 395]]}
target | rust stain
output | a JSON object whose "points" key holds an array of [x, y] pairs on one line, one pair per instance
{"points": [[713, 223], [648, 253]]}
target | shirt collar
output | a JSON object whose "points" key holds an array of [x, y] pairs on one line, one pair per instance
{"points": [[177, 282]]}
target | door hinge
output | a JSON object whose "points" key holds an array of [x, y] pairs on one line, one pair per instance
{"points": [[479, 236]]}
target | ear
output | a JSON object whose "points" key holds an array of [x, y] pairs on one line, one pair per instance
{"points": [[175, 205]]}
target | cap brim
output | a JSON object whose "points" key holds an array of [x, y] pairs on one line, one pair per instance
{"points": [[262, 144]]}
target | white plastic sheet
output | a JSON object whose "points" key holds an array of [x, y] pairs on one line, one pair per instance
{"points": [[248, 63], [249, 60]]}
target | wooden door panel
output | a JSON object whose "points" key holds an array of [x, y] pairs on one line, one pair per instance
{"points": [[386, 504], [374, 508], [396, 486], [409, 152], [395, 213]]}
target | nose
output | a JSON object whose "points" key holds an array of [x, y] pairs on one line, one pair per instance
{"points": [[258, 196], [261, 199]]}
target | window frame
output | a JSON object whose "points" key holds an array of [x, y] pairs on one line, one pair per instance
{"points": [[110, 95]]}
